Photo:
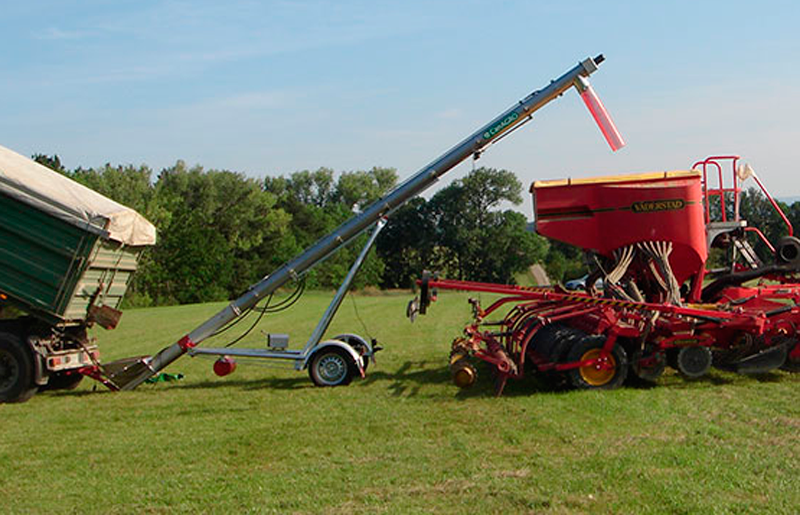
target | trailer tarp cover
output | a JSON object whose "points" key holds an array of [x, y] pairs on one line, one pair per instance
{"points": [[27, 181]]}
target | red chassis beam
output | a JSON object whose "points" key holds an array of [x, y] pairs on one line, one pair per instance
{"points": [[742, 319]]}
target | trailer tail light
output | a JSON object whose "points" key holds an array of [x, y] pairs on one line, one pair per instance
{"points": [[600, 115]]}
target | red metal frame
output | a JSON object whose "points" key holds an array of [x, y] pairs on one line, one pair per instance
{"points": [[758, 311], [720, 191], [775, 206], [763, 238]]}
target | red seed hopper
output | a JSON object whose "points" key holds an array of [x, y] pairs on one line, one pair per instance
{"points": [[604, 214]]}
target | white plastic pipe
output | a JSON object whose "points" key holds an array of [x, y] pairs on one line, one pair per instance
{"points": [[600, 115]]}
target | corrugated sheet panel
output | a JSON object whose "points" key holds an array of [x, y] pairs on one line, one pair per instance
{"points": [[40, 256], [54, 270], [109, 271]]}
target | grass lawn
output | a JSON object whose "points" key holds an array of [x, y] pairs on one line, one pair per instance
{"points": [[403, 440]]}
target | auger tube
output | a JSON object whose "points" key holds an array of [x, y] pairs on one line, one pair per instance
{"points": [[327, 245]]}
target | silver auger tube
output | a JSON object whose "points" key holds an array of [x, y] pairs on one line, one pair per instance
{"points": [[514, 116]]}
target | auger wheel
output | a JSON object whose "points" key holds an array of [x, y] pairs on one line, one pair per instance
{"points": [[332, 366]]}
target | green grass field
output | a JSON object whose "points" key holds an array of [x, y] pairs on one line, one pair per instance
{"points": [[403, 440]]}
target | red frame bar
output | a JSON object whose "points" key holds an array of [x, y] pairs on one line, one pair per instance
{"points": [[528, 293], [774, 205], [764, 238]]}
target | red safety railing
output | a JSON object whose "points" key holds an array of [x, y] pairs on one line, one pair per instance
{"points": [[713, 163], [720, 190]]}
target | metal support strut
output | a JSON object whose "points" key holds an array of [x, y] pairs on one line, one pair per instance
{"points": [[300, 356]]}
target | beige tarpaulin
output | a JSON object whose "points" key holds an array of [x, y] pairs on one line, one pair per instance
{"points": [[27, 181]]}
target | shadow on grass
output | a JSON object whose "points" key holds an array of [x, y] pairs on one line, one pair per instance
{"points": [[275, 383], [76, 393], [408, 380], [768, 377], [410, 377]]}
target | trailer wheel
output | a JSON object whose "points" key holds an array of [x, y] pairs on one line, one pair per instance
{"points": [[332, 367], [602, 376], [16, 370]]}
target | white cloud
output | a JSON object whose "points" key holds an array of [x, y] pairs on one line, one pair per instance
{"points": [[449, 114], [56, 34], [256, 100]]}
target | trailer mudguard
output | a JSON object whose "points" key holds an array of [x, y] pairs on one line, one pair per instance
{"points": [[342, 345], [354, 341]]}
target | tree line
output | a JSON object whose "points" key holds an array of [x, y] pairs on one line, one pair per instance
{"points": [[220, 231]]}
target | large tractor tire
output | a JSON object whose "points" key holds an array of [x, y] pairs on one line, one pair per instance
{"points": [[16, 370]]}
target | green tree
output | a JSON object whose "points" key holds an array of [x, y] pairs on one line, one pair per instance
{"points": [[482, 243], [357, 190], [759, 212], [318, 205], [407, 244], [460, 233], [218, 220], [509, 247], [564, 262], [53, 162]]}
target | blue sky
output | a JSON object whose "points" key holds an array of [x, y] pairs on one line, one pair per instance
{"points": [[274, 87]]}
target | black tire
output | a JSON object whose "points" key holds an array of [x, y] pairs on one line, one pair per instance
{"points": [[552, 343], [332, 366], [788, 251], [692, 362], [646, 375], [791, 365], [16, 370], [591, 378], [62, 381]]}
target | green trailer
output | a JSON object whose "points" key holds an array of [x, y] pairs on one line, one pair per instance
{"points": [[67, 255]]}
